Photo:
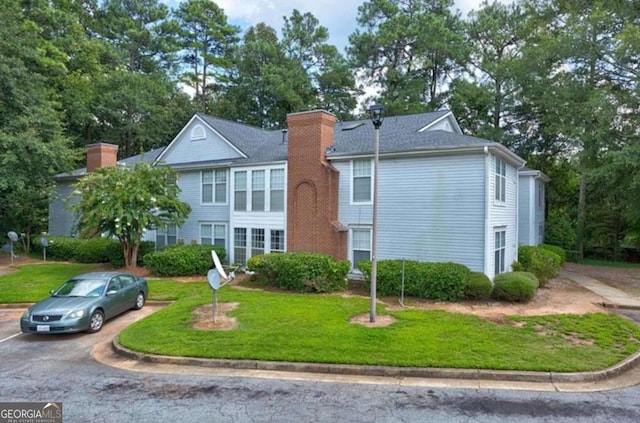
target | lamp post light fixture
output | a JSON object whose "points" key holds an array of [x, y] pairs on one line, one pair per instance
{"points": [[376, 112]]}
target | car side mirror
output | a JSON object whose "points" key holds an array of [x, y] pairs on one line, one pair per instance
{"points": [[51, 292], [111, 293]]}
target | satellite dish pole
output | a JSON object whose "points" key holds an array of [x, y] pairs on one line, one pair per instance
{"points": [[45, 243], [214, 276], [12, 238]]}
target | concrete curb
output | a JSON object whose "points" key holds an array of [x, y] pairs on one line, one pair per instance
{"points": [[386, 371]]}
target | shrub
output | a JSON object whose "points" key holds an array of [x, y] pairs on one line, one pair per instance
{"points": [[115, 253], [182, 260], [545, 264], [301, 272], [93, 250], [438, 281], [515, 286], [62, 248], [479, 286], [556, 249]]}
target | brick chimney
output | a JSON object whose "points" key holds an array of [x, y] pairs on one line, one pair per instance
{"points": [[101, 155], [312, 187]]}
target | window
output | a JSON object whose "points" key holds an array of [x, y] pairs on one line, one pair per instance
{"points": [[500, 249], [362, 181], [240, 191], [240, 245], [257, 190], [501, 180], [361, 246], [197, 133], [213, 234], [277, 241], [257, 242], [214, 186], [168, 236], [540, 194], [276, 186]]}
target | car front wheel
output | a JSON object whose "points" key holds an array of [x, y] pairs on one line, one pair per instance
{"points": [[139, 301], [96, 321]]}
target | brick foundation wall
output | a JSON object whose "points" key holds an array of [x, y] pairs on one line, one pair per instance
{"points": [[312, 187]]}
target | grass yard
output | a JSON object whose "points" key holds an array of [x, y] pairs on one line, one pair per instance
{"points": [[316, 328]]}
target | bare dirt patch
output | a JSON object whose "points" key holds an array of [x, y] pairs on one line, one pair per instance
{"points": [[626, 279], [381, 321], [203, 317]]}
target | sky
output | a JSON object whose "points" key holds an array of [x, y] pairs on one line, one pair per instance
{"points": [[339, 16]]}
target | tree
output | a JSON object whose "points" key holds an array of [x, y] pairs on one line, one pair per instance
{"points": [[332, 83], [408, 50], [208, 41], [125, 202], [495, 34], [33, 147]]}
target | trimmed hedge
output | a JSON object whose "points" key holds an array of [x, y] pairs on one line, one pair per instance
{"points": [[183, 260], [543, 263], [90, 250], [437, 281], [301, 272], [515, 286], [556, 249], [479, 286]]}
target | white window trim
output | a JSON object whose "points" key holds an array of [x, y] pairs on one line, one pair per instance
{"points": [[198, 133], [504, 267], [213, 232], [163, 232], [496, 200], [213, 188], [351, 187], [269, 247], [350, 246], [249, 188]]}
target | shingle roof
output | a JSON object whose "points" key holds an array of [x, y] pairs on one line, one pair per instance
{"points": [[397, 134], [259, 145], [148, 157]]}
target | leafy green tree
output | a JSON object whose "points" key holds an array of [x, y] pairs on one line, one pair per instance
{"points": [[141, 33], [208, 41], [579, 94], [332, 83], [266, 85], [485, 106], [407, 49], [125, 202], [32, 143]]}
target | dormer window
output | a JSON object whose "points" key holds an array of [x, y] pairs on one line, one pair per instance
{"points": [[197, 133]]}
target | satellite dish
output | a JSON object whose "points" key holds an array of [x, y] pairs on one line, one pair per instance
{"points": [[214, 279], [12, 236], [44, 242], [216, 261]]}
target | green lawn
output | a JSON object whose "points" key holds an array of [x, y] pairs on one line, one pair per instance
{"points": [[316, 328]]}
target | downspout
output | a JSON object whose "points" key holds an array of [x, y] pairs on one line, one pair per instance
{"points": [[487, 194]]}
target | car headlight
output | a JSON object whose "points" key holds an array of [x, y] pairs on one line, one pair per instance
{"points": [[26, 314], [76, 314]]}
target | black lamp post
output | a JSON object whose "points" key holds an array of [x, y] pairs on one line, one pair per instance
{"points": [[376, 112]]}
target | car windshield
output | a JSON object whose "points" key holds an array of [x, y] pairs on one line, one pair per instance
{"points": [[81, 288]]}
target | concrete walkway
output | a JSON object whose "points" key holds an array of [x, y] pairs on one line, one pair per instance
{"points": [[613, 297]]}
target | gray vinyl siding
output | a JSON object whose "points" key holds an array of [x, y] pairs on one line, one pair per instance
{"points": [[190, 186], [430, 208], [525, 205], [186, 150], [539, 227], [61, 221], [503, 215]]}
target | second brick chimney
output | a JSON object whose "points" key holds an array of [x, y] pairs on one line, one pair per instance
{"points": [[101, 155], [312, 185]]}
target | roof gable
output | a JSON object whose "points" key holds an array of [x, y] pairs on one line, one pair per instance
{"points": [[199, 141]]}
